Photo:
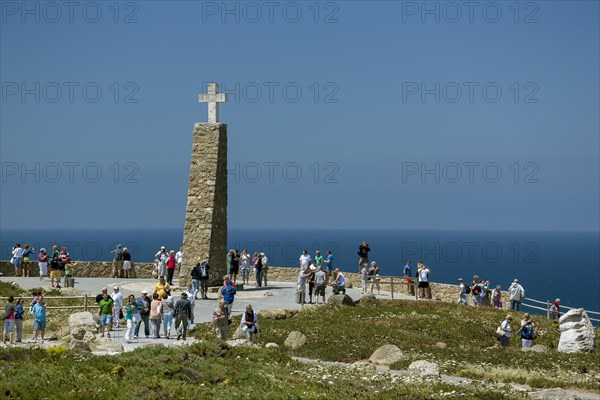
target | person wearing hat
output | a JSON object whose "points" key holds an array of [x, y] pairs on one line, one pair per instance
{"points": [[161, 259], [462, 296], [517, 293], [117, 298], [117, 264], [143, 305], [183, 312], [43, 263]]}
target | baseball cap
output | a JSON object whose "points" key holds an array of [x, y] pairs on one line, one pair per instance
{"points": [[116, 288], [144, 292]]}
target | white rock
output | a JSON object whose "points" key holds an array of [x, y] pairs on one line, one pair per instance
{"points": [[271, 345], [82, 321], [295, 340], [386, 355], [576, 332], [424, 368]]}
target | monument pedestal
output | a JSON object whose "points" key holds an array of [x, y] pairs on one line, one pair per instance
{"points": [[205, 230]]}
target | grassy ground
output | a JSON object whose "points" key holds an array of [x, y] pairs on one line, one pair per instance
{"points": [[349, 334], [203, 370]]}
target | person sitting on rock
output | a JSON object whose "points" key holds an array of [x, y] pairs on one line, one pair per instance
{"points": [[339, 284], [249, 323]]}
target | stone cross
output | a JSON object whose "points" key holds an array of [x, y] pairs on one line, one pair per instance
{"points": [[213, 99]]}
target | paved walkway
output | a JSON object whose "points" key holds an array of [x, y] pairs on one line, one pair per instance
{"points": [[275, 295]]}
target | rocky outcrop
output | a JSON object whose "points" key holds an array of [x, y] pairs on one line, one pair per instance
{"points": [[387, 355], [424, 369], [340, 299], [80, 323], [295, 340], [242, 343], [104, 345], [367, 298], [576, 332]]}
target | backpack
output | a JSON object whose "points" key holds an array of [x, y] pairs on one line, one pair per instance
{"points": [[527, 332], [467, 289], [476, 289]]}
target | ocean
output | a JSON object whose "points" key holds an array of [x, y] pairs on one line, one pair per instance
{"points": [[547, 264]]}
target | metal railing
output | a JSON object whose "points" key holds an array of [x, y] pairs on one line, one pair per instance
{"points": [[548, 304]]}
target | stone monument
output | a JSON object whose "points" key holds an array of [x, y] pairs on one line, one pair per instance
{"points": [[205, 230]]}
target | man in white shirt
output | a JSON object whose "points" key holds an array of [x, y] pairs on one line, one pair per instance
{"points": [[117, 298], [339, 285], [517, 293], [179, 259], [304, 260]]}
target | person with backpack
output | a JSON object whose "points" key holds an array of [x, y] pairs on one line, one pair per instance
{"points": [[475, 292], [528, 330], [464, 291], [55, 266]]}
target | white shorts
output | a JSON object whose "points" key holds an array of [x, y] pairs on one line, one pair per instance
{"points": [[126, 265], [43, 268]]}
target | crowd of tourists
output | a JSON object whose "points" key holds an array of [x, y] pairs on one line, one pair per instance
{"points": [[57, 262]]}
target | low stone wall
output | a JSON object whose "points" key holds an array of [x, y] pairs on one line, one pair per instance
{"points": [[85, 269], [98, 269]]}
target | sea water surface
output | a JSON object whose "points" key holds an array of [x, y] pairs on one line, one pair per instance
{"points": [[547, 264]]}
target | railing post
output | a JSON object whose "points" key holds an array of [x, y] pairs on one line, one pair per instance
{"points": [[548, 309], [85, 302], [392, 286]]}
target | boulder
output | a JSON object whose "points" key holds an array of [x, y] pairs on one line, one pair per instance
{"points": [[386, 355], [538, 348], [424, 368], [348, 284], [576, 332], [242, 343], [106, 346], [79, 345], [552, 394], [277, 313], [367, 298], [271, 345], [82, 320], [295, 340], [239, 333], [340, 299]]}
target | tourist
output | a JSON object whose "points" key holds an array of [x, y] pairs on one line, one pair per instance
{"points": [[475, 290], [483, 294], [264, 272], [245, 266], [364, 279], [167, 309], [301, 289], [423, 273], [39, 319], [171, 264], [19, 319], [320, 282], [100, 296], [27, 253], [505, 331], [258, 269], [229, 259], [55, 267], [233, 261], [162, 287], [155, 316], [311, 281], [497, 297], [130, 311], [249, 323], [183, 313], [222, 321], [161, 261], [126, 263], [318, 259], [339, 283], [117, 263], [555, 310], [17, 258], [179, 258], [9, 320], [69, 266], [374, 274], [517, 293], [228, 291], [202, 275], [43, 263], [143, 305], [105, 310], [191, 296], [462, 296], [527, 331], [117, 298], [329, 264], [363, 255], [407, 274], [304, 260]]}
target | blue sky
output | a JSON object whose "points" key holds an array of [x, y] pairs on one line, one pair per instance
{"points": [[487, 122]]}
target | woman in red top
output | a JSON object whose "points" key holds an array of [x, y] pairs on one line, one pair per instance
{"points": [[171, 267]]}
